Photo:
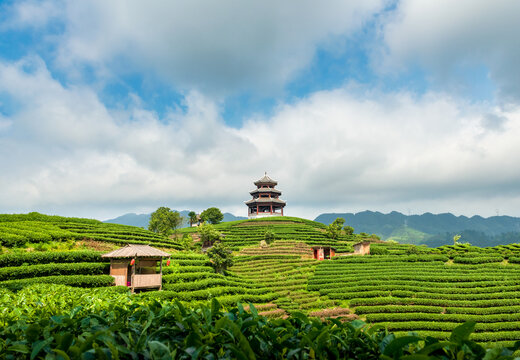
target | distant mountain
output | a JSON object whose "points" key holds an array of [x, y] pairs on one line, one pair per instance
{"points": [[142, 220], [139, 220], [431, 228], [231, 217]]}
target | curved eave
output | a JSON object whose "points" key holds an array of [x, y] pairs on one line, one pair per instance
{"points": [[265, 201], [265, 190]]}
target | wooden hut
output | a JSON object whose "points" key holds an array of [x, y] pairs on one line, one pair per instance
{"points": [[362, 248], [135, 266], [323, 252]]}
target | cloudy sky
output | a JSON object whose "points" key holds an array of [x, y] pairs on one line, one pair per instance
{"points": [[110, 107]]}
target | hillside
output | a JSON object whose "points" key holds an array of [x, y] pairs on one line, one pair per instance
{"points": [[40, 231], [432, 229], [243, 233], [402, 287]]}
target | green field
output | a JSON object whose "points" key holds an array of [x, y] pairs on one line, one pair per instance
{"points": [[400, 287]]}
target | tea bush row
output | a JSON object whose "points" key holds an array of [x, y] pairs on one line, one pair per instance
{"points": [[477, 259], [398, 317], [23, 272], [86, 281], [46, 257]]}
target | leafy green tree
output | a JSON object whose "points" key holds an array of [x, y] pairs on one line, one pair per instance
{"points": [[349, 230], [192, 215], [164, 221], [208, 234], [334, 229], [221, 257], [212, 215]]}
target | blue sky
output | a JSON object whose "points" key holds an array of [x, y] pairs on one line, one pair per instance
{"points": [[380, 105]]}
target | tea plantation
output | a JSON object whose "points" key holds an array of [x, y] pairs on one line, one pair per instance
{"points": [[400, 288], [35, 229]]}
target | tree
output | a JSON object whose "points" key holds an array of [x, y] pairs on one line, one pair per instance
{"points": [[334, 229], [192, 215], [349, 230], [221, 257], [164, 221], [208, 234], [212, 215]]}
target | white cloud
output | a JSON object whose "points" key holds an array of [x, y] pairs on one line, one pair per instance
{"points": [[30, 13], [447, 36], [66, 153], [215, 47]]}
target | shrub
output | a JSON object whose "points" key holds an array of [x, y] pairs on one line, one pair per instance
{"points": [[23, 272], [87, 281], [20, 258]]}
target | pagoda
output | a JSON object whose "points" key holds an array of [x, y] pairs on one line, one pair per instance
{"points": [[265, 201]]}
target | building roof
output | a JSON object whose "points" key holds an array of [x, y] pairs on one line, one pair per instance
{"points": [[265, 201], [362, 243], [266, 180], [130, 251], [265, 190], [323, 247]]}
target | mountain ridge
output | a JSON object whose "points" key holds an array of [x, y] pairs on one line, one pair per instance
{"points": [[142, 220], [431, 229]]}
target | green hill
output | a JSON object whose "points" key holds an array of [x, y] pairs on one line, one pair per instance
{"points": [[407, 235], [400, 286], [242, 233], [36, 230]]}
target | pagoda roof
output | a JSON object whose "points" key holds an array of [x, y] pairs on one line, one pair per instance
{"points": [[265, 201], [266, 180], [265, 190]]}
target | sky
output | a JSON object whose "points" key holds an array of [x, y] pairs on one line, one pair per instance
{"points": [[123, 106]]}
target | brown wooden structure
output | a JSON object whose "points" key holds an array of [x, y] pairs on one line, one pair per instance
{"points": [[362, 248], [266, 199], [135, 266], [323, 252]]}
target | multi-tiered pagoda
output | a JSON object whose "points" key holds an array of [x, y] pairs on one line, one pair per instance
{"points": [[265, 201]]}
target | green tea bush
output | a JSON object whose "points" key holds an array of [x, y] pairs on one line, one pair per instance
{"points": [[477, 259], [85, 281], [151, 328], [32, 258], [23, 272]]}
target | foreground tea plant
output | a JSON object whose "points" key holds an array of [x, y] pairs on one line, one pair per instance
{"points": [[58, 322]]}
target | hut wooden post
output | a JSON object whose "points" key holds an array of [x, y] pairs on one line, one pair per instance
{"points": [[160, 272], [132, 280]]}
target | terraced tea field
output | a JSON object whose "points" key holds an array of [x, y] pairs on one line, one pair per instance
{"points": [[189, 278], [244, 233], [35, 229], [284, 267], [402, 287], [427, 294]]}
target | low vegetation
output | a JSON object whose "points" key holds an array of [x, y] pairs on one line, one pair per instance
{"points": [[95, 326], [400, 288]]}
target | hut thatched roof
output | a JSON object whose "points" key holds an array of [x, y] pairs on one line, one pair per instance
{"points": [[130, 251]]}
